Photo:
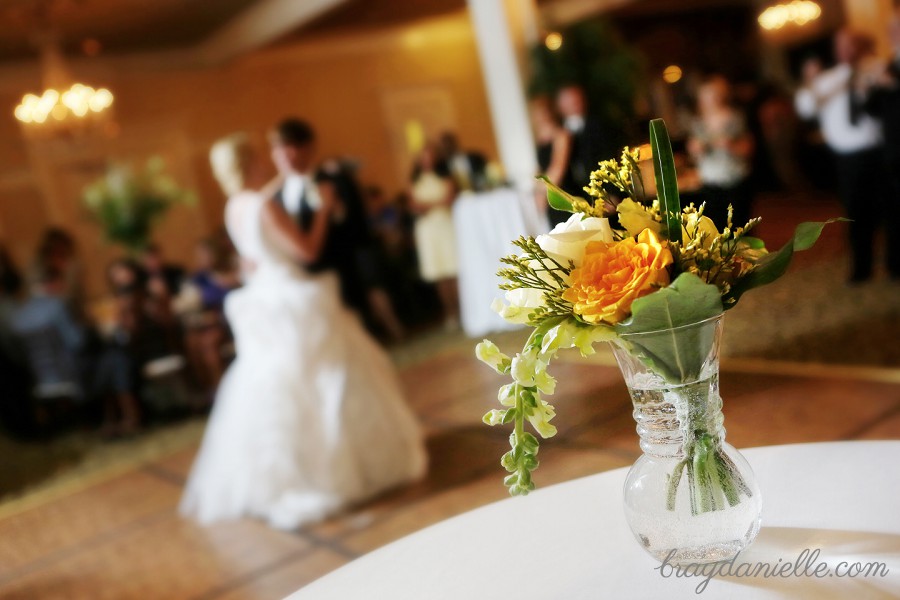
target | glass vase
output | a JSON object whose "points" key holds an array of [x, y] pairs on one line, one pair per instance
{"points": [[691, 497]]}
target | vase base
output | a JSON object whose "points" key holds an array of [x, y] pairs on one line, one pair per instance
{"points": [[700, 555]]}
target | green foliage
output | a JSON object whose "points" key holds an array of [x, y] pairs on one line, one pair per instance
{"points": [[666, 179], [676, 355], [773, 265], [128, 204], [557, 197]]}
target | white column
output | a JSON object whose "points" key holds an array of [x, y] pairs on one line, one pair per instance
{"points": [[506, 90]]}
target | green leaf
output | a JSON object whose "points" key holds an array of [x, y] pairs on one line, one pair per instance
{"points": [[557, 197], [676, 355], [686, 300], [773, 265], [666, 179]]}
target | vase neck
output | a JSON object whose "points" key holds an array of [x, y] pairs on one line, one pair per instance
{"points": [[670, 419]]}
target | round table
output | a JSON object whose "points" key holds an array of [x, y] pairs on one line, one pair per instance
{"points": [[570, 541]]}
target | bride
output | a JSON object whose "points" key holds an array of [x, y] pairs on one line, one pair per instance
{"points": [[310, 417]]}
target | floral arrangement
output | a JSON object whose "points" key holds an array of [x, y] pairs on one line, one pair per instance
{"points": [[587, 281], [127, 204]]}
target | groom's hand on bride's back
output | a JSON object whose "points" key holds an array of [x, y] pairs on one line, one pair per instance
{"points": [[330, 200]]}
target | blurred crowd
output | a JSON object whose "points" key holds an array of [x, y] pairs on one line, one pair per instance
{"points": [[158, 341], [839, 129]]}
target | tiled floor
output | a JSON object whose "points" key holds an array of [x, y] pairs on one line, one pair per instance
{"points": [[122, 538], [116, 534]]}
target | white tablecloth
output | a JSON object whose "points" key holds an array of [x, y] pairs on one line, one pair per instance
{"points": [[570, 541], [485, 225]]}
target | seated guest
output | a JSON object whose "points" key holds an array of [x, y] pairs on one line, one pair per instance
{"points": [[163, 282], [135, 339], [468, 169], [431, 195], [205, 329], [53, 338], [169, 276], [57, 250], [215, 274]]}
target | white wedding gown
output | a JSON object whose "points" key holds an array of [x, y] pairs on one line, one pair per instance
{"points": [[310, 416]]}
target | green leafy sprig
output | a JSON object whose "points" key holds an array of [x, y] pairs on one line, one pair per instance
{"points": [[534, 269]]}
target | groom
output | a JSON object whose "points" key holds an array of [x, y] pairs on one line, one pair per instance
{"points": [[293, 152]]}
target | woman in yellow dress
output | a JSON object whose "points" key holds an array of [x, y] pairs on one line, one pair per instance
{"points": [[431, 197]]}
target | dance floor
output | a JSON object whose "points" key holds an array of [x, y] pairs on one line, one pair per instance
{"points": [[116, 533], [122, 538]]}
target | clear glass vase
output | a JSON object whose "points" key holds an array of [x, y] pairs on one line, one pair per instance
{"points": [[691, 497]]}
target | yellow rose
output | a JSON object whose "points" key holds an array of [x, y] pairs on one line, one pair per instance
{"points": [[612, 276], [635, 218]]}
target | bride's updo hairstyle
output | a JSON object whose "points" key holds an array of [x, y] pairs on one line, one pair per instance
{"points": [[231, 158]]}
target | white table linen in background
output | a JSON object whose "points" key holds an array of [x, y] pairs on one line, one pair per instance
{"points": [[570, 541], [486, 223]]}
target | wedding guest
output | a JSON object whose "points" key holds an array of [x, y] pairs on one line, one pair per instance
{"points": [[882, 100], [124, 274], [554, 151], [432, 194], [215, 273], [855, 139], [590, 142], [57, 250], [163, 282], [135, 339], [52, 336], [722, 147], [468, 168], [205, 329]]}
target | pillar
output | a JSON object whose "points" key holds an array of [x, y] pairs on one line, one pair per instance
{"points": [[495, 30]]}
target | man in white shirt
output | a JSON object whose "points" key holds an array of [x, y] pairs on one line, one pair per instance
{"points": [[856, 140]]}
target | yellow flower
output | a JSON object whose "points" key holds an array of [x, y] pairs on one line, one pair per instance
{"points": [[695, 227], [613, 275], [635, 218]]}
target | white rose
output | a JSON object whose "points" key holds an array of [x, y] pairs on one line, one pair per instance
{"points": [[568, 240]]}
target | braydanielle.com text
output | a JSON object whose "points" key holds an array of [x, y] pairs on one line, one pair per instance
{"points": [[806, 565]]}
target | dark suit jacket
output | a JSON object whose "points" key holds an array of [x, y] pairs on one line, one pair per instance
{"points": [[343, 240], [884, 103]]}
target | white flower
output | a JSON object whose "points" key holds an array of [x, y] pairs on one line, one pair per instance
{"points": [[567, 241], [540, 419], [488, 353], [524, 368], [522, 302]]}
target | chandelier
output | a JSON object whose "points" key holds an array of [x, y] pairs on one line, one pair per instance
{"points": [[65, 105], [76, 102], [798, 12]]}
